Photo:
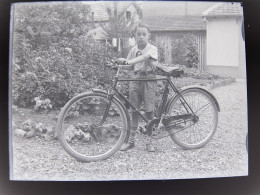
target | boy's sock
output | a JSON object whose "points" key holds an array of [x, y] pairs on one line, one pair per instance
{"points": [[132, 135], [149, 115], [149, 145], [131, 141]]}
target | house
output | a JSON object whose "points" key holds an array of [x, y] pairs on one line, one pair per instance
{"points": [[215, 27], [165, 29], [225, 46], [174, 8], [171, 23]]}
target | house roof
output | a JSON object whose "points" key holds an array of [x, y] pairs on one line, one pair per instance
{"points": [[175, 23], [224, 9], [100, 9]]}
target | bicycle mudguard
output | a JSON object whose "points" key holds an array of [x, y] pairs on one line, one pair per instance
{"points": [[99, 91], [127, 114], [193, 87]]}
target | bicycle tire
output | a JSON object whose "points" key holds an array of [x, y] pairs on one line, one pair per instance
{"points": [[78, 130], [207, 123]]}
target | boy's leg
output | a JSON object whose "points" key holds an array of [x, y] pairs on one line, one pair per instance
{"points": [[149, 94], [149, 115], [149, 145], [134, 125], [135, 99]]}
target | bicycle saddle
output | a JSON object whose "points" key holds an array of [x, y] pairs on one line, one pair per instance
{"points": [[172, 71], [167, 69]]}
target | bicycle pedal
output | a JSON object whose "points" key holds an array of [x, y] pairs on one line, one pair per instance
{"points": [[142, 130]]}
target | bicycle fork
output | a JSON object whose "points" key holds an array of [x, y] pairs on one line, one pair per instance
{"points": [[109, 97]]}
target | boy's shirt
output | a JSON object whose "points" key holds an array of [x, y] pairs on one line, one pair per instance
{"points": [[148, 64]]}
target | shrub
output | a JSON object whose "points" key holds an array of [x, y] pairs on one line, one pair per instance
{"points": [[182, 48], [55, 63], [42, 104]]}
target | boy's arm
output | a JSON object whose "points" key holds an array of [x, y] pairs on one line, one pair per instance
{"points": [[139, 59], [130, 63], [152, 53]]}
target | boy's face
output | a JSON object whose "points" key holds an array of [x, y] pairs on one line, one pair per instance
{"points": [[142, 36]]}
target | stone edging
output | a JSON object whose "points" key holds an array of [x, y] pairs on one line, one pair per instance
{"points": [[220, 83]]}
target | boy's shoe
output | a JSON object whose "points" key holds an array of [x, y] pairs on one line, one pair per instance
{"points": [[127, 146], [150, 147]]}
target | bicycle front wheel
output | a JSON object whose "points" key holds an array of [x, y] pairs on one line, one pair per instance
{"points": [[91, 127], [193, 134]]}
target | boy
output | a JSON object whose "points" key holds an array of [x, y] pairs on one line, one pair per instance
{"points": [[142, 59]]}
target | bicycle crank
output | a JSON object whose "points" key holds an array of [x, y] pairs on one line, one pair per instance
{"points": [[167, 128], [154, 130]]}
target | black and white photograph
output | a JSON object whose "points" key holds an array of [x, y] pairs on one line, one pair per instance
{"points": [[127, 90]]}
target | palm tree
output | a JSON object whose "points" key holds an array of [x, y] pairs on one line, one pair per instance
{"points": [[120, 25]]}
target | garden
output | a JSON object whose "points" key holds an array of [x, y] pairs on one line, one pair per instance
{"points": [[52, 65], [55, 58]]}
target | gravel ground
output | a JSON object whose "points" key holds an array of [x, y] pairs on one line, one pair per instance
{"points": [[224, 156]]}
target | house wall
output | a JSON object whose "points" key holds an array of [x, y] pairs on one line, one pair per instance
{"points": [[242, 52], [225, 46]]}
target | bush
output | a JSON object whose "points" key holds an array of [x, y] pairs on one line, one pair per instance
{"points": [[183, 49], [42, 104], [55, 63]]}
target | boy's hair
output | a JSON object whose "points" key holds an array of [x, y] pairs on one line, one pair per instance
{"points": [[142, 25]]}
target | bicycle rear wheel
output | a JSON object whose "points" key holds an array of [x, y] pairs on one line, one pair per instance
{"points": [[90, 128], [194, 134]]}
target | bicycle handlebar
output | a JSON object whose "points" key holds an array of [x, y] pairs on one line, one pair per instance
{"points": [[113, 65]]}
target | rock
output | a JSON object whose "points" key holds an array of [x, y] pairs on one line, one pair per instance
{"points": [[28, 125], [68, 49], [19, 132], [51, 131], [40, 127], [87, 137], [55, 118], [48, 137], [14, 108], [30, 133], [70, 133]]}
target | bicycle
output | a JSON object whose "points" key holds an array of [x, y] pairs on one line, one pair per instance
{"points": [[93, 125]]}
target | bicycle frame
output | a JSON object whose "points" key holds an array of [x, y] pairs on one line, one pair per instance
{"points": [[164, 99]]}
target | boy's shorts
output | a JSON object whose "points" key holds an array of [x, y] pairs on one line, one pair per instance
{"points": [[143, 91]]}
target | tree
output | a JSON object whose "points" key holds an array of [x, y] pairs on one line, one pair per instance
{"points": [[118, 26]]}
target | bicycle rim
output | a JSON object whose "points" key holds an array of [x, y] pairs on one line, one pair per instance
{"points": [[194, 134], [84, 131]]}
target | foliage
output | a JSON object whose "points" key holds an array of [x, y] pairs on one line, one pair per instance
{"points": [[29, 129], [118, 25], [55, 63], [202, 75], [183, 49], [42, 104], [192, 56]]}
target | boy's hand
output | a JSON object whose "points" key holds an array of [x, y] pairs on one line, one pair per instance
{"points": [[122, 61]]}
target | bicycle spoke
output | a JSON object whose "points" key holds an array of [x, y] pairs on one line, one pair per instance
{"points": [[196, 134], [202, 109], [92, 128]]}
